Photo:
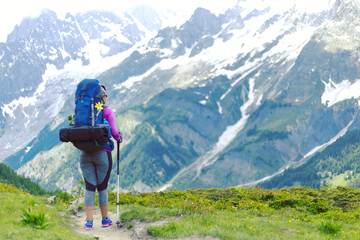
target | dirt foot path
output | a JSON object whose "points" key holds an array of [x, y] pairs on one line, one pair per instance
{"points": [[136, 232], [108, 233]]}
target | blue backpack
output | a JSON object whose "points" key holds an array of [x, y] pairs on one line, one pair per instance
{"points": [[89, 130]]}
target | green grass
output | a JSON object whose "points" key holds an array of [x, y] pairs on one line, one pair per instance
{"points": [[338, 180], [342, 179], [234, 213], [287, 224], [35, 220], [248, 213], [24, 216]]}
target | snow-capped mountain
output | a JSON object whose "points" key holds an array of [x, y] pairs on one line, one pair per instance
{"points": [[221, 100], [45, 57]]}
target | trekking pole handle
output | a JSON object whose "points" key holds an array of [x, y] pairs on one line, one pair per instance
{"points": [[118, 156]]}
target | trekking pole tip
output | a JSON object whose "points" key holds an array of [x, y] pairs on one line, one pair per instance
{"points": [[119, 225]]}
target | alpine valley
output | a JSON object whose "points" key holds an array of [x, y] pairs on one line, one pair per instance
{"points": [[217, 100]]}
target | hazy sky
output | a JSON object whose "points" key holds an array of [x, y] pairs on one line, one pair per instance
{"points": [[14, 11]]}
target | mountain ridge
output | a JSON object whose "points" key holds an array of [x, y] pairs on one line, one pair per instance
{"points": [[227, 99]]}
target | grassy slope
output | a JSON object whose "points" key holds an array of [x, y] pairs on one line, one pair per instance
{"points": [[12, 204], [235, 213], [248, 213]]}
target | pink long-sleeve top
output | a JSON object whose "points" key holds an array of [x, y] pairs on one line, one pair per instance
{"points": [[110, 117]]}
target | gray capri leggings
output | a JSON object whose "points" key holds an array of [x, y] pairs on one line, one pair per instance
{"points": [[96, 169]]}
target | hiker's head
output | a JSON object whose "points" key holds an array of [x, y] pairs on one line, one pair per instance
{"points": [[103, 88]]}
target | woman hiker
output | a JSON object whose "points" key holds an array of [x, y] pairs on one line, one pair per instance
{"points": [[96, 168]]}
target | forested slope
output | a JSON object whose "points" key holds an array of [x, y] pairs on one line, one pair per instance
{"points": [[337, 164]]}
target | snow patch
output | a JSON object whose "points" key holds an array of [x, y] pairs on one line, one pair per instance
{"points": [[219, 107], [95, 50], [311, 6], [335, 93], [11, 107], [174, 43], [115, 32], [28, 149], [164, 64]]}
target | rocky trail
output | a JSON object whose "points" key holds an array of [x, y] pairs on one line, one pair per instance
{"points": [[137, 230]]}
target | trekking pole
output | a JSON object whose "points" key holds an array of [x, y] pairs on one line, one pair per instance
{"points": [[118, 180]]}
